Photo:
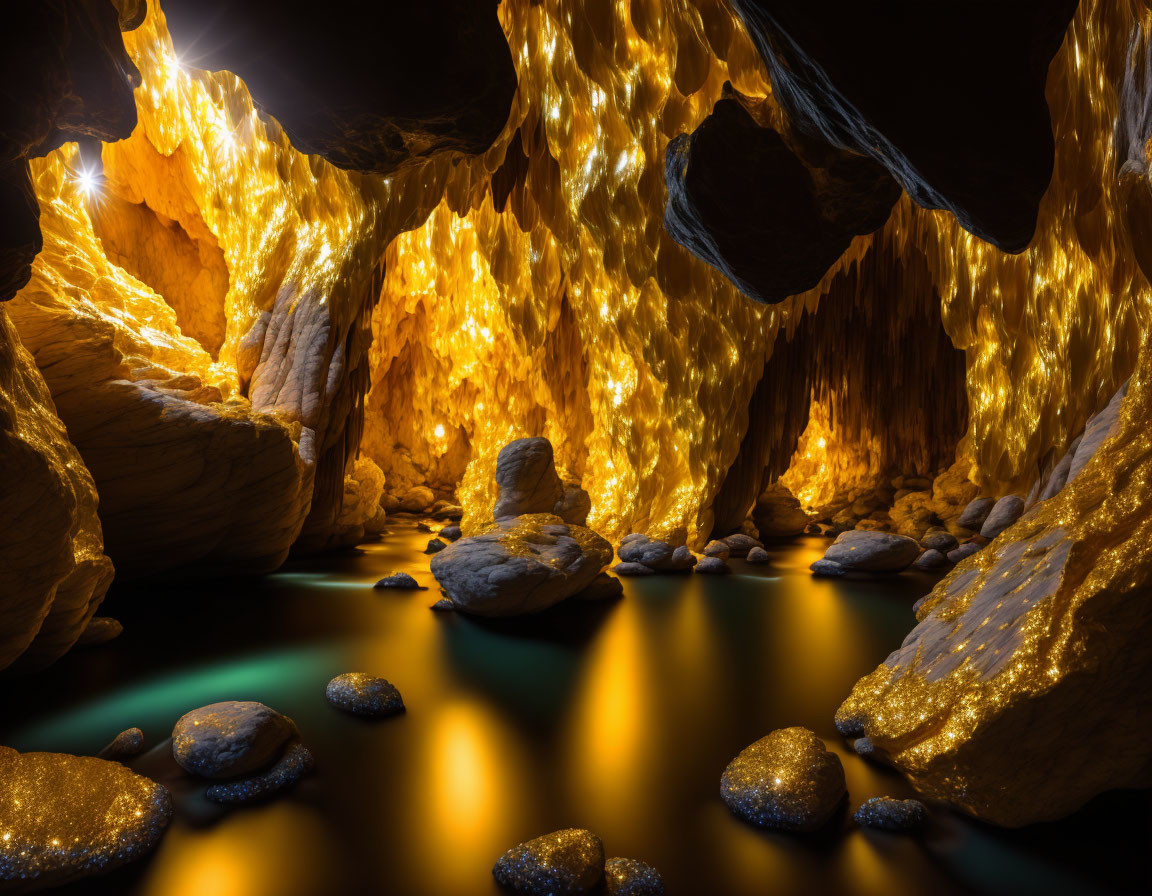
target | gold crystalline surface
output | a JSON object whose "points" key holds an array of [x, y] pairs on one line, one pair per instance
{"points": [[1024, 689], [787, 780], [64, 817]]}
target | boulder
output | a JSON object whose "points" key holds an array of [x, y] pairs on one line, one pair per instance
{"points": [[563, 863], [526, 479], [399, 581], [574, 505], [827, 569], [974, 515], [931, 560], [717, 549], [658, 556], [786, 780], [69, 817], [1003, 514], [443, 605], [363, 695], [628, 877], [939, 540], [740, 544], [224, 740], [778, 514], [713, 566], [873, 551], [450, 533], [888, 814], [125, 745], [520, 565], [963, 552], [295, 762], [758, 555], [435, 546], [417, 499], [633, 569]]}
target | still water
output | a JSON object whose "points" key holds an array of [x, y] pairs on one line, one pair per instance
{"points": [[617, 717]]}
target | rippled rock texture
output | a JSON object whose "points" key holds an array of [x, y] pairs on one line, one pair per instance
{"points": [[68, 817], [521, 565]]}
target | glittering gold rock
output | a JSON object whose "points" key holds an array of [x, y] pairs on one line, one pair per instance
{"points": [[786, 780], [65, 817], [563, 863]]}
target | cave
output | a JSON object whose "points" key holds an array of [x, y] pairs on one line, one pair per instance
{"points": [[563, 447]]}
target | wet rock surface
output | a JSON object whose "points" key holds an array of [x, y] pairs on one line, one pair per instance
{"points": [[787, 780], [888, 814], [873, 551], [522, 565], [224, 740], [629, 877], [70, 817], [364, 695], [399, 581], [563, 863], [295, 762]]}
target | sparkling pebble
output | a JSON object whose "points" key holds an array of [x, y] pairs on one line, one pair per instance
{"points": [[67, 817], [888, 814], [293, 764], [125, 745], [712, 566], [786, 780], [223, 740], [628, 877], [399, 581], [363, 695], [563, 863]]}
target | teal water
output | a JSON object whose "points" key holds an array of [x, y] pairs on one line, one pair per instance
{"points": [[616, 717]]}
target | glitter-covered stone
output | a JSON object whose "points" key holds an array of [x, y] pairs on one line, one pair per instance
{"points": [[786, 780], [67, 817], [125, 745], [399, 581], [363, 695], [293, 764], [712, 566], [891, 815], [563, 863], [224, 740], [628, 877]]}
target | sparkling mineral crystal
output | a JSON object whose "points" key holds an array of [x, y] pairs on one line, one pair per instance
{"points": [[786, 780], [66, 817], [363, 695], [295, 762], [563, 863], [628, 877], [891, 815]]}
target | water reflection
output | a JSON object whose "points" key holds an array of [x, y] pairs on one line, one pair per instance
{"points": [[619, 717]]}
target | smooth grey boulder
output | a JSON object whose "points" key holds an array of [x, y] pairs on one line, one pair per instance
{"points": [[450, 533], [399, 581], [827, 569], [931, 560], [526, 479], [873, 551], [522, 565], [740, 544], [1006, 511], [633, 569], [963, 552], [653, 554], [224, 740], [758, 555], [972, 517], [563, 863], [717, 548], [713, 566], [787, 780], [435, 546], [939, 540]]}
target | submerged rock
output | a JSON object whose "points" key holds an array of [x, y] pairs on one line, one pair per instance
{"points": [[1003, 514], [563, 863], [628, 877], [442, 605], [786, 780], [633, 569], [295, 762], [363, 695], [435, 546], [125, 745], [522, 565], [888, 814], [758, 555], [941, 540], [873, 551], [399, 581], [223, 740], [974, 515], [100, 630], [827, 569], [713, 566], [451, 533], [69, 817], [603, 587]]}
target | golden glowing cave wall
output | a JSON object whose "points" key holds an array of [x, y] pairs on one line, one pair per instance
{"points": [[570, 313]]}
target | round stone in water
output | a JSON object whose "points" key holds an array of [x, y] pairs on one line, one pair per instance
{"points": [[364, 695]]}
